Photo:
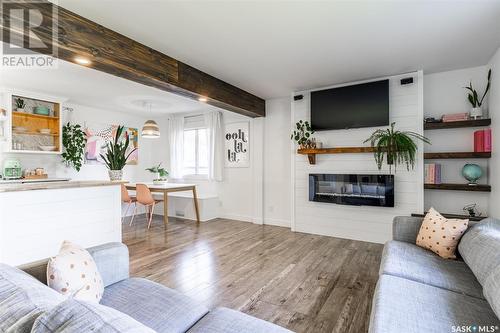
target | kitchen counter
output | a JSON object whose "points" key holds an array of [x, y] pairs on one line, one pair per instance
{"points": [[44, 214], [10, 186]]}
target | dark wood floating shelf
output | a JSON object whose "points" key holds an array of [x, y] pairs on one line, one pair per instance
{"points": [[455, 216], [311, 153], [450, 155], [458, 124], [458, 187]]}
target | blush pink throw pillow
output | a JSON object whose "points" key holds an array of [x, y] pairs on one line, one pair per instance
{"points": [[441, 235]]}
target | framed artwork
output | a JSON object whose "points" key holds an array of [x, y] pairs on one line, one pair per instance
{"points": [[237, 145], [98, 136]]}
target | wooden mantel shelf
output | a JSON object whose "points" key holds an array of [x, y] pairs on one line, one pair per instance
{"points": [[311, 153]]}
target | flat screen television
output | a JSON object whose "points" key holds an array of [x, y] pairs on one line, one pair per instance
{"points": [[360, 105]]}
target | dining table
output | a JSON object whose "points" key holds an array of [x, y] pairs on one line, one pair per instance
{"points": [[166, 188]]}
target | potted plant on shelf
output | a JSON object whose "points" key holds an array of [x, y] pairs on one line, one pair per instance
{"points": [[20, 104], [397, 146], [477, 110], [161, 174], [116, 155], [74, 141], [302, 135]]}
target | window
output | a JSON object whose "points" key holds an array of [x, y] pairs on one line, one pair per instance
{"points": [[195, 152]]}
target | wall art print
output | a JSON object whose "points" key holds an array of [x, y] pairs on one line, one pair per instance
{"points": [[237, 145], [98, 136]]}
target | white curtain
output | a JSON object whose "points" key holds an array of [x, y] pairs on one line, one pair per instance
{"points": [[215, 140], [176, 140]]}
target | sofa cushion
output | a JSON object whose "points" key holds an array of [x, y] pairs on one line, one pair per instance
{"points": [[492, 290], [402, 305], [480, 248], [223, 320], [22, 299], [415, 263], [85, 317], [158, 307]]}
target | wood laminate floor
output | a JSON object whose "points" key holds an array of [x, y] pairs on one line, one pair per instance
{"points": [[306, 283]]}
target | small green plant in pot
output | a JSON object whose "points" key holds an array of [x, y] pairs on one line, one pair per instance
{"points": [[398, 147], [20, 104], [302, 135], [475, 101], [116, 156], [161, 174], [74, 141]]}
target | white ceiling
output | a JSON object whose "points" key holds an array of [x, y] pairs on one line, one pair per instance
{"points": [[85, 86], [271, 48]]}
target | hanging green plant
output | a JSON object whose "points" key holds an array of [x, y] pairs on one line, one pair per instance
{"points": [[397, 146], [74, 141]]}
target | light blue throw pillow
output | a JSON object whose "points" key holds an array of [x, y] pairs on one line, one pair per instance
{"points": [[22, 299], [85, 317]]}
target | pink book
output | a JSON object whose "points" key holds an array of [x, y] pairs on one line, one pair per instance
{"points": [[487, 140], [438, 174], [432, 173], [479, 141]]}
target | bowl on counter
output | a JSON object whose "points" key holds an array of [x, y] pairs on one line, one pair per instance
{"points": [[19, 129], [47, 148], [41, 110]]}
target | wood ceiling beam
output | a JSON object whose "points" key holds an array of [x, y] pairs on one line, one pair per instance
{"points": [[116, 54]]}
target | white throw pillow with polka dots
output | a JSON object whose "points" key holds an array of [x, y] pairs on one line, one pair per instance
{"points": [[74, 273]]}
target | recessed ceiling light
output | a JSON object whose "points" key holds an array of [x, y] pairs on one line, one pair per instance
{"points": [[82, 61], [203, 99]]}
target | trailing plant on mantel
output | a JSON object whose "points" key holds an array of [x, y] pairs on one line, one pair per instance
{"points": [[398, 147], [74, 141], [116, 154], [302, 134], [473, 95]]}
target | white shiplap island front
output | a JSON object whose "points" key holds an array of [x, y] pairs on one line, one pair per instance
{"points": [[35, 218]]}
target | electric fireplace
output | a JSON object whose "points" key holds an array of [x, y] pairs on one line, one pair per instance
{"points": [[358, 190]]}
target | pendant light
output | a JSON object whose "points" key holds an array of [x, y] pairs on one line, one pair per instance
{"points": [[150, 130]]}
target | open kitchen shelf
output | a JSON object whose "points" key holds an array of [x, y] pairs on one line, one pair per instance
{"points": [[455, 216], [458, 124], [311, 153], [458, 187], [451, 155]]}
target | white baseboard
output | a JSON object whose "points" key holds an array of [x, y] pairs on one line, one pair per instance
{"points": [[277, 222], [241, 218]]}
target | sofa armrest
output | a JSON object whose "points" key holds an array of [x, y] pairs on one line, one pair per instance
{"points": [[112, 261], [405, 228]]}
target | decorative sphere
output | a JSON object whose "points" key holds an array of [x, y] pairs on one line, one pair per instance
{"points": [[472, 172]]}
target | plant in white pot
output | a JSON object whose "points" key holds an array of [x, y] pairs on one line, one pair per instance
{"points": [[20, 104], [116, 156], [477, 110], [161, 174]]}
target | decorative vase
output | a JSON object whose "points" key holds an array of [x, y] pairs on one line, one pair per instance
{"points": [[476, 112], [115, 174], [472, 172], [19, 109]]}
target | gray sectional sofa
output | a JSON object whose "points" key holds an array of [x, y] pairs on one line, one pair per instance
{"points": [[419, 292], [23, 300]]}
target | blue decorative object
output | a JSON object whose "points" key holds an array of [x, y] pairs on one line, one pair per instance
{"points": [[472, 172]]}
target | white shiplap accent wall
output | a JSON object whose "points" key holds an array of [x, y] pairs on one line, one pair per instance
{"points": [[366, 223]]}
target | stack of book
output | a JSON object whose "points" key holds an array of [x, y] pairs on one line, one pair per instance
{"points": [[447, 118], [432, 172], [482, 141]]}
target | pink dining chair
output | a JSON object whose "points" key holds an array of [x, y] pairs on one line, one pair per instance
{"points": [[128, 199], [145, 198]]}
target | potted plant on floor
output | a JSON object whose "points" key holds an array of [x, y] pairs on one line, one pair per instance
{"points": [[116, 154], [477, 111], [397, 146], [161, 174]]}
